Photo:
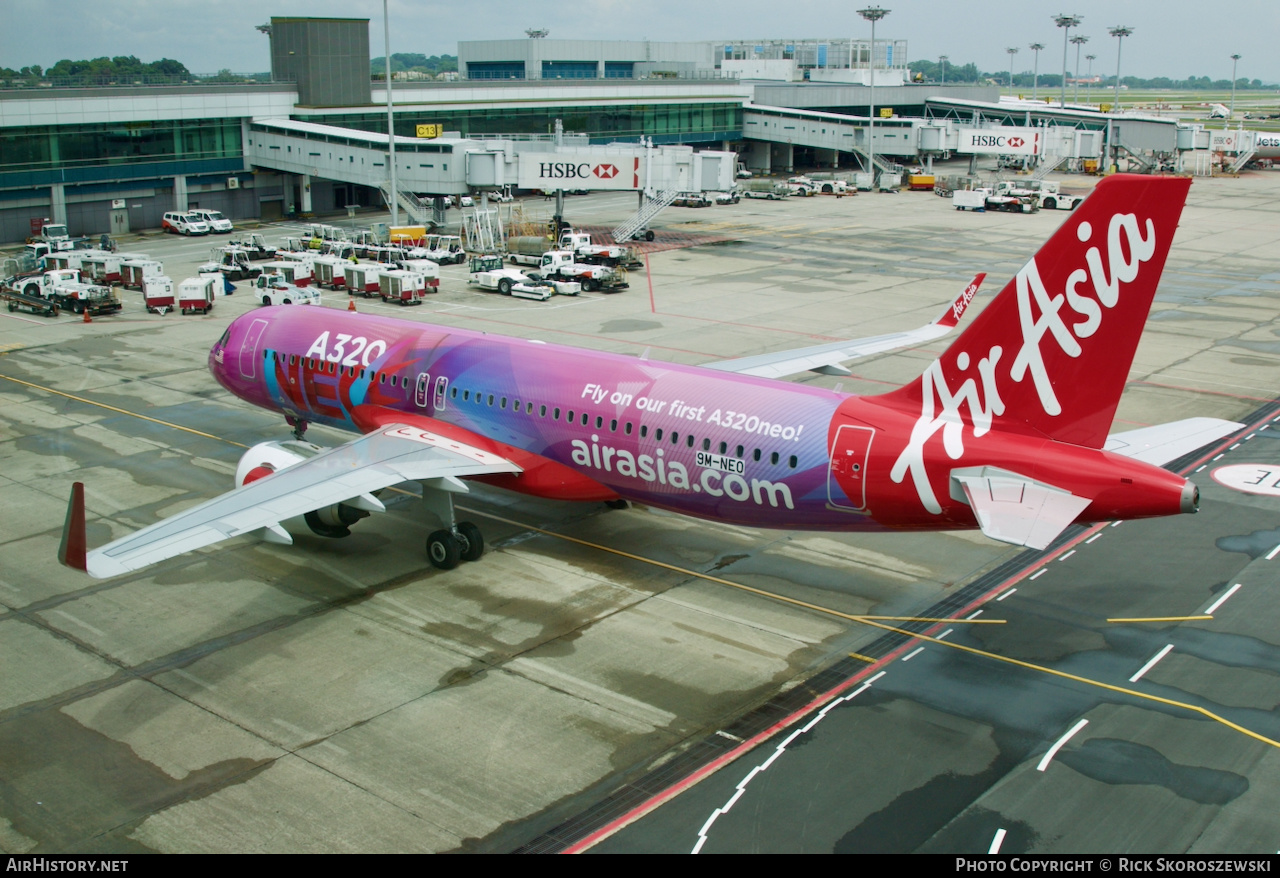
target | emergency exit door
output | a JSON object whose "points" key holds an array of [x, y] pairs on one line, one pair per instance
{"points": [[119, 222]]}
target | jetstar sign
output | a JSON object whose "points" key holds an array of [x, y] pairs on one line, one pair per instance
{"points": [[543, 171], [1000, 141]]}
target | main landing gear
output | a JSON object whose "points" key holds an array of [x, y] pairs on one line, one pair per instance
{"points": [[458, 540], [299, 426]]}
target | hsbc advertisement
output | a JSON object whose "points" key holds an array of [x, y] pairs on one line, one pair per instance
{"points": [[1000, 141], [586, 170]]}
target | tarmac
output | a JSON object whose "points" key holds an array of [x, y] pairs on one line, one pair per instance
{"points": [[342, 695]]}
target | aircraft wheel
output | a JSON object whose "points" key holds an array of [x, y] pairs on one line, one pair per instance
{"points": [[617, 504], [472, 541], [444, 550]]}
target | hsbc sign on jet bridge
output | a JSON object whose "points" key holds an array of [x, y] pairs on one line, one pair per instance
{"points": [[1000, 141], [610, 169]]}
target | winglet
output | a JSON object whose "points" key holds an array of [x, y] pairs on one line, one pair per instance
{"points": [[74, 547], [951, 316]]}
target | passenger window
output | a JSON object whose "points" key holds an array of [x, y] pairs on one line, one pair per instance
{"points": [[755, 455], [453, 394], [773, 458], [569, 419], [627, 428], [504, 399], [585, 416], [644, 430], [542, 410], [657, 435], [724, 446], [466, 394], [737, 453], [555, 416], [529, 409], [613, 425], [599, 420], [688, 441], [490, 395], [793, 462]]}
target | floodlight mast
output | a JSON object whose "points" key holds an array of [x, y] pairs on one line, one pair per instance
{"points": [[1119, 33], [1079, 40], [873, 14], [1035, 76], [1088, 82], [942, 59], [1235, 59], [1012, 50], [1066, 22]]}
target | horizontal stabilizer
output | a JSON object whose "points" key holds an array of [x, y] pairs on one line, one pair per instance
{"points": [[1015, 509], [826, 358], [1165, 442]]}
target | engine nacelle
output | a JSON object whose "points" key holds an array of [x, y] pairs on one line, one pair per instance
{"points": [[331, 521]]}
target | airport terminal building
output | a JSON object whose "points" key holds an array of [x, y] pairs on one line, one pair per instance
{"points": [[115, 157]]}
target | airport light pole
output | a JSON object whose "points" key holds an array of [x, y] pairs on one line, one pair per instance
{"points": [[1079, 40], [873, 14], [1012, 50], [1066, 22], [942, 59], [391, 129], [1235, 59], [1088, 83], [1035, 76], [1119, 33]]}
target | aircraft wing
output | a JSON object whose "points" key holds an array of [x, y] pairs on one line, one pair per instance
{"points": [[1014, 509], [392, 454], [1165, 442], [826, 358]]}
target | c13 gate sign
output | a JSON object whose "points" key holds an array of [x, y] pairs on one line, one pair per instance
{"points": [[581, 171], [1000, 141]]}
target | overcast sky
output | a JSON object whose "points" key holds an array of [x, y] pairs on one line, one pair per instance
{"points": [[1174, 38]]}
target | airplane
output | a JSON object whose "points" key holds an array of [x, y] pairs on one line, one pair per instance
{"points": [[1006, 431]]}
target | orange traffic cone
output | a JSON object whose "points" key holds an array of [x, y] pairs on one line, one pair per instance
{"points": [[87, 318], [351, 304]]}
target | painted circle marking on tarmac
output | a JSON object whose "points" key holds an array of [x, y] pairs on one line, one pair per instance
{"points": [[1250, 478]]}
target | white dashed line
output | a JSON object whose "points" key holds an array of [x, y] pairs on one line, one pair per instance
{"points": [[1270, 555], [906, 658], [1041, 572], [1222, 600], [1151, 664], [975, 614], [1198, 469], [1063, 558], [1053, 751], [995, 842], [1090, 540], [1002, 597], [940, 636]]}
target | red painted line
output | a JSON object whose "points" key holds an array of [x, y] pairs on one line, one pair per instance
{"points": [[653, 308]]}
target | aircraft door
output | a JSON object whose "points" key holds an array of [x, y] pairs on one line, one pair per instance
{"points": [[442, 385], [249, 349], [420, 390], [847, 475]]}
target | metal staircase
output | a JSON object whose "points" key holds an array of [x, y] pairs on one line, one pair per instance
{"points": [[653, 205], [1241, 160], [1048, 164], [422, 213]]}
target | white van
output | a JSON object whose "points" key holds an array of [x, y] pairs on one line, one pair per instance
{"points": [[180, 223], [218, 223]]}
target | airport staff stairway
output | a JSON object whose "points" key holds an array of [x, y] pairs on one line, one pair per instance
{"points": [[645, 215], [420, 212], [1241, 160], [1048, 164]]}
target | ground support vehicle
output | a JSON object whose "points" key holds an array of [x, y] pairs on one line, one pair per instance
{"points": [[424, 267], [64, 287], [271, 288], [180, 222], [72, 258], [362, 279], [196, 294], [728, 197], [562, 264], [256, 247], [767, 189], [35, 304], [1044, 193], [986, 199], [214, 219], [135, 268], [330, 272], [691, 199], [405, 287], [296, 272], [101, 268], [157, 294], [802, 186], [488, 273], [232, 261], [444, 250], [527, 250], [557, 286], [597, 254], [921, 182]]}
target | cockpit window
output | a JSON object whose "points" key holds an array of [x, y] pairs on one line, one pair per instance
{"points": [[226, 336]]}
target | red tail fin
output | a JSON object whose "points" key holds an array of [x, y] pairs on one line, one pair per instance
{"points": [[1052, 351], [74, 545]]}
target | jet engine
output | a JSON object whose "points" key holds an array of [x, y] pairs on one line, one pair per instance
{"points": [[331, 521]]}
